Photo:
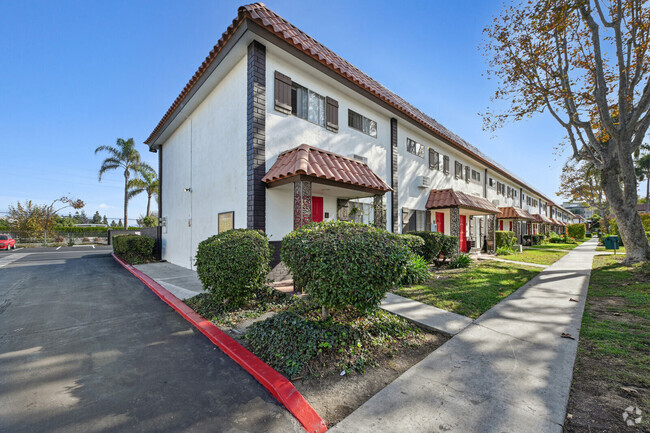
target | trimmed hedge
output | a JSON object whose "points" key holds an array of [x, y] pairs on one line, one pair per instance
{"points": [[437, 245], [577, 231], [533, 239], [134, 249], [505, 239], [414, 243], [342, 264], [234, 264]]}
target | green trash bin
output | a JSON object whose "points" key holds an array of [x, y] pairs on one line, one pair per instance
{"points": [[611, 243]]}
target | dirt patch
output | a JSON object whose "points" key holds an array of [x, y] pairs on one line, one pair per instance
{"points": [[612, 309], [596, 404], [334, 397]]}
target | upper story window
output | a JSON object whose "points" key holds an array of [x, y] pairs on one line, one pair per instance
{"points": [[476, 176], [491, 182], [307, 104], [458, 170], [434, 160], [292, 98], [362, 123], [467, 173], [414, 147], [445, 164]]}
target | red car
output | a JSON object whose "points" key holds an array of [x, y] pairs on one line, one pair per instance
{"points": [[7, 242]]}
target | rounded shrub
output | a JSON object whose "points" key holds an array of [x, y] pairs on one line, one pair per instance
{"points": [[505, 239], [577, 231], [234, 264], [342, 264], [134, 249], [414, 243]]}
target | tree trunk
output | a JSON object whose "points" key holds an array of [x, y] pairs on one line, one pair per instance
{"points": [[324, 313], [148, 204], [126, 200], [623, 204]]}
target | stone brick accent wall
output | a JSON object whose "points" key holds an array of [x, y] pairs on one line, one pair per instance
{"points": [[255, 137], [454, 223], [394, 183]]}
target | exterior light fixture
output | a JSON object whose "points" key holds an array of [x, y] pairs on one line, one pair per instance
{"points": [[187, 189]]}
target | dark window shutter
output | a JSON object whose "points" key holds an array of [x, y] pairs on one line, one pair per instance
{"points": [[282, 93], [432, 159], [332, 113], [467, 173]]}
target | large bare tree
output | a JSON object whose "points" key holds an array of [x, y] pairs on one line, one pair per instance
{"points": [[586, 63]]}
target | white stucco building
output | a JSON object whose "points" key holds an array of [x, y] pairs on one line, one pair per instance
{"points": [[275, 130]]}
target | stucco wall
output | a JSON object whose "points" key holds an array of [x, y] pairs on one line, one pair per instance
{"points": [[285, 132], [207, 153]]}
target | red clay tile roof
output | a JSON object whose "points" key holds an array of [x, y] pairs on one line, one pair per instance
{"points": [[514, 213], [541, 219], [265, 17], [322, 164], [447, 198]]}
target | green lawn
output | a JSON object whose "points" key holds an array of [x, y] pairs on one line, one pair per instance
{"points": [[471, 291], [541, 257], [614, 349], [618, 250], [554, 247]]}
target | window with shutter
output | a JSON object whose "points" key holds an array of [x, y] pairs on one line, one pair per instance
{"points": [[332, 113], [282, 93], [434, 160], [467, 174], [458, 170], [445, 163]]}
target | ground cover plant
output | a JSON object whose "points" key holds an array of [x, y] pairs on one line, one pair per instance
{"points": [[230, 315], [134, 249], [540, 257], [473, 290], [612, 370], [296, 342]]}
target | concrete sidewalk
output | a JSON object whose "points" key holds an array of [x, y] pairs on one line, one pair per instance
{"points": [[509, 371], [181, 282]]}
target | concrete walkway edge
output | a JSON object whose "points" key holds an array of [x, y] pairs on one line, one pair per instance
{"points": [[281, 388], [426, 316]]}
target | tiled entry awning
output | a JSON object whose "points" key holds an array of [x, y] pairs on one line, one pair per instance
{"points": [[321, 164], [448, 198], [514, 213], [541, 219]]}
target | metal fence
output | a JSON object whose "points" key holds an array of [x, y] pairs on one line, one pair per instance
{"points": [[58, 236]]}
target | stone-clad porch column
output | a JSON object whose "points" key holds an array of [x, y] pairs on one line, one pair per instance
{"points": [[492, 236], [516, 225], [454, 224], [301, 203], [379, 211]]}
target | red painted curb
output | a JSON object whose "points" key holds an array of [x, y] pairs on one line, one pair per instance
{"points": [[274, 382]]}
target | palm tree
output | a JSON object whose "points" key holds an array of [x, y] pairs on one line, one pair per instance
{"points": [[643, 173], [123, 155], [146, 182]]}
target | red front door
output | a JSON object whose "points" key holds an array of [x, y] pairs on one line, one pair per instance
{"points": [[463, 231], [510, 225], [501, 225], [317, 209], [440, 222]]}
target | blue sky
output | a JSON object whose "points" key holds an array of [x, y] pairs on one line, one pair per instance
{"points": [[78, 74]]}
